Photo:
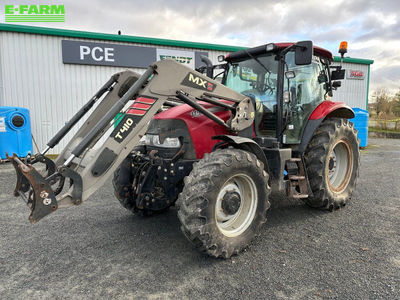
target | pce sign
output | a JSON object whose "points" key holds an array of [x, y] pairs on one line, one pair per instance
{"points": [[97, 53]]}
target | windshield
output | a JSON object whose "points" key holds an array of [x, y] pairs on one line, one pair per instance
{"points": [[259, 82], [254, 80]]}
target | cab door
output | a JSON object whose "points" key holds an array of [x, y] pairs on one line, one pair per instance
{"points": [[307, 90]]}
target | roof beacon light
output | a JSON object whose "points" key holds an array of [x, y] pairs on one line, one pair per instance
{"points": [[270, 47], [343, 48]]}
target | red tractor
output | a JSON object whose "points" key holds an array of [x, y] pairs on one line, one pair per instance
{"points": [[215, 148]]}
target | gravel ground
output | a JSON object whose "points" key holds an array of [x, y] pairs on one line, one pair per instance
{"points": [[99, 250]]}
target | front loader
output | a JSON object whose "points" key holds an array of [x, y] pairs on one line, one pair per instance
{"points": [[215, 149]]}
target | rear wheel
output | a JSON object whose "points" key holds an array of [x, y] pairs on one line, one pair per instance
{"points": [[332, 160], [224, 202]]}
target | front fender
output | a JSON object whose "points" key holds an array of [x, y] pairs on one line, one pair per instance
{"points": [[333, 110], [327, 109], [246, 144]]}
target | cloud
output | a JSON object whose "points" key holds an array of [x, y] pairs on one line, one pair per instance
{"points": [[371, 27]]}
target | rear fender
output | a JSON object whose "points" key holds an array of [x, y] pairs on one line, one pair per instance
{"points": [[245, 144], [327, 109]]}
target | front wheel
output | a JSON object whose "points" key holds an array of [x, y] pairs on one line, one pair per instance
{"points": [[122, 182], [332, 160], [224, 202]]}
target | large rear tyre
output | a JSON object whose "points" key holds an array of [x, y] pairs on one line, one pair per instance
{"points": [[332, 161], [224, 202]]}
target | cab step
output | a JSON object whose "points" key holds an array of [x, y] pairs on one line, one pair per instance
{"points": [[295, 159], [300, 196], [298, 186]]}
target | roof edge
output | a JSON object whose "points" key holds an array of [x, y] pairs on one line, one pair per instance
{"points": [[354, 60], [139, 39], [115, 37]]}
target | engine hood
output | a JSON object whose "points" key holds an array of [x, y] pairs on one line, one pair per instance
{"points": [[201, 129]]}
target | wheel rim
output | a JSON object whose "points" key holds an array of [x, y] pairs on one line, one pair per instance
{"points": [[339, 166], [234, 220]]}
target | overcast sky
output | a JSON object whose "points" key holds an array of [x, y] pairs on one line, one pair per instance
{"points": [[372, 27]]}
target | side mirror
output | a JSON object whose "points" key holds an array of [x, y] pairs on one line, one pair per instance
{"points": [[221, 58], [303, 53], [290, 74], [338, 74]]}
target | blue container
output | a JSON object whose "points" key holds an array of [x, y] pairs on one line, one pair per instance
{"points": [[15, 131], [360, 122]]}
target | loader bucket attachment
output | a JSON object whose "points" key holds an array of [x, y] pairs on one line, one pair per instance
{"points": [[34, 189]]}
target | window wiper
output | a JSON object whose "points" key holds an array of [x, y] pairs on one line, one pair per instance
{"points": [[258, 61], [267, 84]]}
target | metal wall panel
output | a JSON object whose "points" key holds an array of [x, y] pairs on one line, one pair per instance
{"points": [[353, 91], [35, 77], [1, 82]]}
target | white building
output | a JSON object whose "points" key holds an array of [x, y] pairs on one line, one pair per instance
{"points": [[355, 87], [53, 72]]}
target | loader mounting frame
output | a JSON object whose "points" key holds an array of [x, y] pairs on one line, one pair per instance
{"points": [[139, 98]]}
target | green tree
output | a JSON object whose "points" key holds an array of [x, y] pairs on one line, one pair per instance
{"points": [[396, 104], [382, 98]]}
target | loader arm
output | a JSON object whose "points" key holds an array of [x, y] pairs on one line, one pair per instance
{"points": [[139, 97]]}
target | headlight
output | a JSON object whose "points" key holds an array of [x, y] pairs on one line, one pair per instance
{"points": [[142, 140], [154, 140]]}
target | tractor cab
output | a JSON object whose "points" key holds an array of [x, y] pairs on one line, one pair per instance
{"points": [[285, 81]]}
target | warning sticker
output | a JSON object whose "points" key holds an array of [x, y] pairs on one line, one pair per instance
{"points": [[3, 124]]}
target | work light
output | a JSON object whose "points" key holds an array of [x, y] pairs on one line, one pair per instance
{"points": [[270, 47]]}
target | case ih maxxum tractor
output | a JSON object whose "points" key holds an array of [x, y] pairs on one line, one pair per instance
{"points": [[213, 148]]}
